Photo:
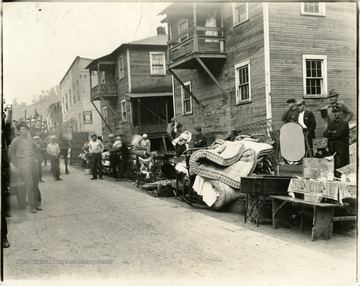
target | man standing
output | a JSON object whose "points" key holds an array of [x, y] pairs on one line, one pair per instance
{"points": [[53, 150], [96, 147], [112, 152], [200, 140], [337, 133], [38, 157], [345, 113], [291, 114], [170, 130], [145, 144], [22, 161], [307, 120]]}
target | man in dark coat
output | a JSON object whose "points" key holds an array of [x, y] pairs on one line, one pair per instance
{"points": [[346, 113], [337, 133], [307, 120], [291, 114], [200, 139]]}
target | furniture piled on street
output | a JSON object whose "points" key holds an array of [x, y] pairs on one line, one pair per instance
{"points": [[249, 166]]}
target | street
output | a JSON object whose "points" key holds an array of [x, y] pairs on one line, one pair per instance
{"points": [[112, 231]]}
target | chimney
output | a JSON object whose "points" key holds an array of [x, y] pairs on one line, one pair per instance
{"points": [[161, 30]]}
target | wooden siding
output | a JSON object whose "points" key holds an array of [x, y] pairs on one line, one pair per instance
{"points": [[293, 34], [141, 82], [141, 78], [220, 113]]}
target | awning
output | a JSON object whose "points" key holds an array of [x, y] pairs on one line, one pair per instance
{"points": [[151, 94]]}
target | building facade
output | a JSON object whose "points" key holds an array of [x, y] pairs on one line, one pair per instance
{"points": [[135, 90], [238, 63], [78, 111]]}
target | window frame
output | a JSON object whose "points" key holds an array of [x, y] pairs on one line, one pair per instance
{"points": [[186, 36], [322, 10], [123, 110], [121, 67], [237, 67], [152, 64], [324, 86], [234, 6], [183, 99]]}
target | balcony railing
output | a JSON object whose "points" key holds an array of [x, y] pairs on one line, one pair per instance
{"points": [[197, 40], [104, 90]]}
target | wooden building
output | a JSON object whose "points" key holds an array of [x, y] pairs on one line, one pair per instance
{"points": [[238, 63], [135, 90]]}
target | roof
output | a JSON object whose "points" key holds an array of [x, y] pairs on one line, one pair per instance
{"points": [[187, 7], [158, 40], [149, 94], [155, 40], [73, 63]]}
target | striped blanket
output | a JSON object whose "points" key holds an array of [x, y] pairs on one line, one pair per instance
{"points": [[227, 163]]}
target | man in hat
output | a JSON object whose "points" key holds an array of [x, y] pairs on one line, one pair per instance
{"points": [[200, 139], [22, 161], [113, 154], [337, 133], [292, 113], [53, 150], [346, 112], [307, 120], [145, 144], [96, 148]]}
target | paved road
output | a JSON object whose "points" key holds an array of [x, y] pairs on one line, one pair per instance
{"points": [[95, 230]]}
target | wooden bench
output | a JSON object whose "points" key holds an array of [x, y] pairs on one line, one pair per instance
{"points": [[323, 215]]}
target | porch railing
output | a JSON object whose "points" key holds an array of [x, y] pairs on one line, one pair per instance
{"points": [[108, 89], [197, 40]]}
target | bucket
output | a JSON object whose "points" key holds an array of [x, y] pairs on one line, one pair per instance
{"points": [[87, 171]]}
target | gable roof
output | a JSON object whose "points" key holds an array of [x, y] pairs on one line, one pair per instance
{"points": [[158, 40]]}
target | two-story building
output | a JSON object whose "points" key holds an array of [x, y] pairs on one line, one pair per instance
{"points": [[238, 63], [78, 112], [135, 90]]}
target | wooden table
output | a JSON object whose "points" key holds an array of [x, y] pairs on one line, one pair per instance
{"points": [[323, 215]]}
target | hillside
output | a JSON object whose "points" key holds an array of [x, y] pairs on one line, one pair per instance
{"points": [[41, 105]]}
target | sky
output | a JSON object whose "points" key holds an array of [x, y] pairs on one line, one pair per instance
{"points": [[42, 39]]}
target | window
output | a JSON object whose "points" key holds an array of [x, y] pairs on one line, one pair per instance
{"points": [[315, 75], [66, 102], [105, 114], [157, 63], [186, 99], [240, 13], [70, 99], [123, 111], [182, 28], [313, 8], [242, 82], [121, 68]]}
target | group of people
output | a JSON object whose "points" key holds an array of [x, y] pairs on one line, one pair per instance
{"points": [[338, 115], [181, 139]]}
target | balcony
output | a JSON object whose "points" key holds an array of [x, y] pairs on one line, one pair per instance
{"points": [[104, 91], [197, 42]]}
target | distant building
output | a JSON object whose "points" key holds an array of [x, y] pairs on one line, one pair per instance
{"points": [[78, 111], [134, 89]]}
